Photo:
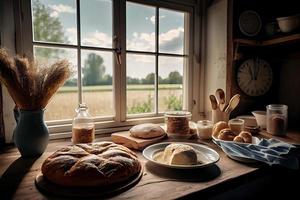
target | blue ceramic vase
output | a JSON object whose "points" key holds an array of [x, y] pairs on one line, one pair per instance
{"points": [[31, 134]]}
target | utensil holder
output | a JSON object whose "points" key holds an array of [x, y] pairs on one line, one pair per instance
{"points": [[218, 115]]}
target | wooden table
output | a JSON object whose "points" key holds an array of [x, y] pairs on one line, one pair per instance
{"points": [[227, 178]]}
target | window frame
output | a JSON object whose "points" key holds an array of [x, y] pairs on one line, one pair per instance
{"points": [[192, 83]]}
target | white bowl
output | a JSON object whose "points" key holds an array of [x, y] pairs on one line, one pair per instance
{"points": [[289, 24], [260, 117], [249, 120]]}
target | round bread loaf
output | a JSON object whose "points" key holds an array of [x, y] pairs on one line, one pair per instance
{"points": [[247, 137], [226, 134], [180, 154], [218, 127], [146, 131], [238, 139], [94, 164]]}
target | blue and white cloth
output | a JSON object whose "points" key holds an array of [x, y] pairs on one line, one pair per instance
{"points": [[270, 151]]}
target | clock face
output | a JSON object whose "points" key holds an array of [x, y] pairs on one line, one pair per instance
{"points": [[255, 77]]}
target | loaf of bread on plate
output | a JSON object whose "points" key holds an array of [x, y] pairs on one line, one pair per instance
{"points": [[146, 131], [94, 164], [180, 154]]}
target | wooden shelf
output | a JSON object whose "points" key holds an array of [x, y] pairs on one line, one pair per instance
{"points": [[270, 42]]}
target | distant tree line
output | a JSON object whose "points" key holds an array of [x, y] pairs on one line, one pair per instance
{"points": [[173, 78], [94, 74]]}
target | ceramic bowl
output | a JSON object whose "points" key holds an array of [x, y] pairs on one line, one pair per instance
{"points": [[260, 117], [289, 24]]}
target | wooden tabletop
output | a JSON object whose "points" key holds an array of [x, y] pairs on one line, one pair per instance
{"points": [[18, 175]]}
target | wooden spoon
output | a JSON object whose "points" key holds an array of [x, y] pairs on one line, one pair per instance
{"points": [[220, 94], [213, 101], [233, 103]]}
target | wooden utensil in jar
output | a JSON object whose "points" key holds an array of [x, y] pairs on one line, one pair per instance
{"points": [[233, 103], [220, 95], [213, 101]]}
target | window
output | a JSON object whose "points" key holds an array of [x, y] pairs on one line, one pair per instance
{"points": [[132, 59], [154, 55]]}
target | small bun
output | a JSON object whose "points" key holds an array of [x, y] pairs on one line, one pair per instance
{"points": [[238, 139], [246, 136], [226, 134], [218, 127]]}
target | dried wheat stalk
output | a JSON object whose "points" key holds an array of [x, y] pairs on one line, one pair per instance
{"points": [[30, 86]]}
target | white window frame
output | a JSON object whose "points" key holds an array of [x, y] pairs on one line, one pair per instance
{"points": [[192, 81]]}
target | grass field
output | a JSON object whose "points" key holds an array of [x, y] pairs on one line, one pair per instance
{"points": [[100, 99]]}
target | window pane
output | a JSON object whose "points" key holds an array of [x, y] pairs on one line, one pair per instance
{"points": [[171, 31], [64, 102], [140, 30], [96, 23], [140, 83], [97, 82], [170, 88], [54, 21]]}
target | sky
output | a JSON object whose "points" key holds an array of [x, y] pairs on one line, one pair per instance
{"points": [[96, 30]]}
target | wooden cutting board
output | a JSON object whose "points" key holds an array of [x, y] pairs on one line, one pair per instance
{"points": [[125, 139]]}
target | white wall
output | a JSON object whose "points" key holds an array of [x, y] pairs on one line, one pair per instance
{"points": [[216, 50]]}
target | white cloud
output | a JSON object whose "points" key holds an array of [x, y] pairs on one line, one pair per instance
{"points": [[54, 14], [170, 35], [142, 41], [72, 34], [152, 18], [97, 38], [171, 40], [60, 8]]}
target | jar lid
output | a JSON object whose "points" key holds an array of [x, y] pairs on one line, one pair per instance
{"points": [[277, 106], [178, 114]]}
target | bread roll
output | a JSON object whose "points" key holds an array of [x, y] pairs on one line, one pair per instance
{"points": [[238, 139], [246, 136], [146, 131], [218, 127], [94, 164], [226, 134]]}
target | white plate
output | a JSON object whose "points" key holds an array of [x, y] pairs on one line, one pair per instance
{"points": [[250, 23], [255, 140], [207, 155]]}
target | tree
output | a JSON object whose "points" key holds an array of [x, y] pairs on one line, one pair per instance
{"points": [[94, 70], [107, 80], [133, 81], [48, 29], [175, 78], [149, 79]]}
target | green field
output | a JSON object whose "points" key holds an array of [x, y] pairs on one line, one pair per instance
{"points": [[100, 99], [100, 88]]}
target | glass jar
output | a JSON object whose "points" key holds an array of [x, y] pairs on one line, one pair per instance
{"points": [[204, 129], [236, 125], [277, 116], [83, 129], [177, 122]]}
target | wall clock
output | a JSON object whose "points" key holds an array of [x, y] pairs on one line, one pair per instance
{"points": [[254, 77]]}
